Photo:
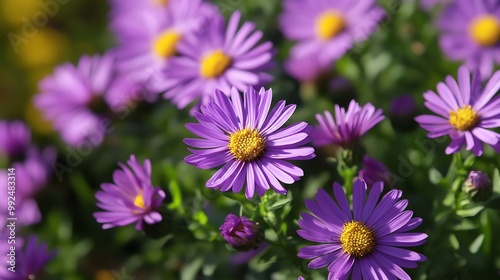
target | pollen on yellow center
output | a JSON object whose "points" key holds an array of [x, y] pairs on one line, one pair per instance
{"points": [[357, 239], [485, 30], [165, 45], [214, 64], [246, 144], [464, 118], [139, 201], [329, 24]]}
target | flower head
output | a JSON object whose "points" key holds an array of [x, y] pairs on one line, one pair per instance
{"points": [[363, 242], [150, 38], [470, 32], [374, 171], [478, 186], [15, 138], [241, 233], [30, 262], [131, 198], [347, 127], [328, 29], [73, 97], [466, 112], [217, 57], [249, 142]]}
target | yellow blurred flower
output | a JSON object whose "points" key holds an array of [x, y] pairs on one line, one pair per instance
{"points": [[13, 11]]}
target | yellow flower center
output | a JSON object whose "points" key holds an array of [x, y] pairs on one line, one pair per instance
{"points": [[246, 144], [485, 30], [165, 45], [139, 201], [329, 25], [357, 239], [161, 2], [214, 64], [464, 118]]}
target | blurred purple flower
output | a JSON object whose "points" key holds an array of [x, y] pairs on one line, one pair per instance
{"points": [[241, 136], [467, 113], [363, 242], [470, 32], [217, 58], [327, 29], [347, 127], [374, 171], [150, 37], [241, 233], [15, 137], [305, 69], [30, 262], [131, 198], [70, 97]]}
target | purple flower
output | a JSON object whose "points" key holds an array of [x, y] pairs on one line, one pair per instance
{"points": [[403, 113], [470, 32], [347, 127], [478, 186], [247, 140], [327, 29], [305, 69], [466, 112], [217, 58], [149, 38], [30, 262], [71, 96], [374, 171], [363, 243], [15, 137], [241, 233], [131, 198]]}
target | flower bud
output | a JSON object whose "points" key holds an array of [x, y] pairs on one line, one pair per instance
{"points": [[241, 233], [478, 186], [374, 171]]}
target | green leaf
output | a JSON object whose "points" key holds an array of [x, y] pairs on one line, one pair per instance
{"points": [[476, 244], [435, 176], [454, 241], [279, 203], [469, 161], [496, 181], [176, 193], [471, 212]]}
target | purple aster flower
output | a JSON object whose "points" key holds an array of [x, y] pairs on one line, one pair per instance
{"points": [[241, 233], [30, 262], [71, 96], [247, 140], [466, 112], [327, 29], [363, 242], [374, 171], [347, 127], [149, 38], [471, 33], [478, 186], [15, 137], [305, 69], [217, 58], [131, 198]]}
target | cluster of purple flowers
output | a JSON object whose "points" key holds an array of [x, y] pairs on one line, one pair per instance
{"points": [[29, 169], [186, 52]]}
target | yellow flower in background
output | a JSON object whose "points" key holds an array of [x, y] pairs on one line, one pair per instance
{"points": [[13, 11], [45, 48]]}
